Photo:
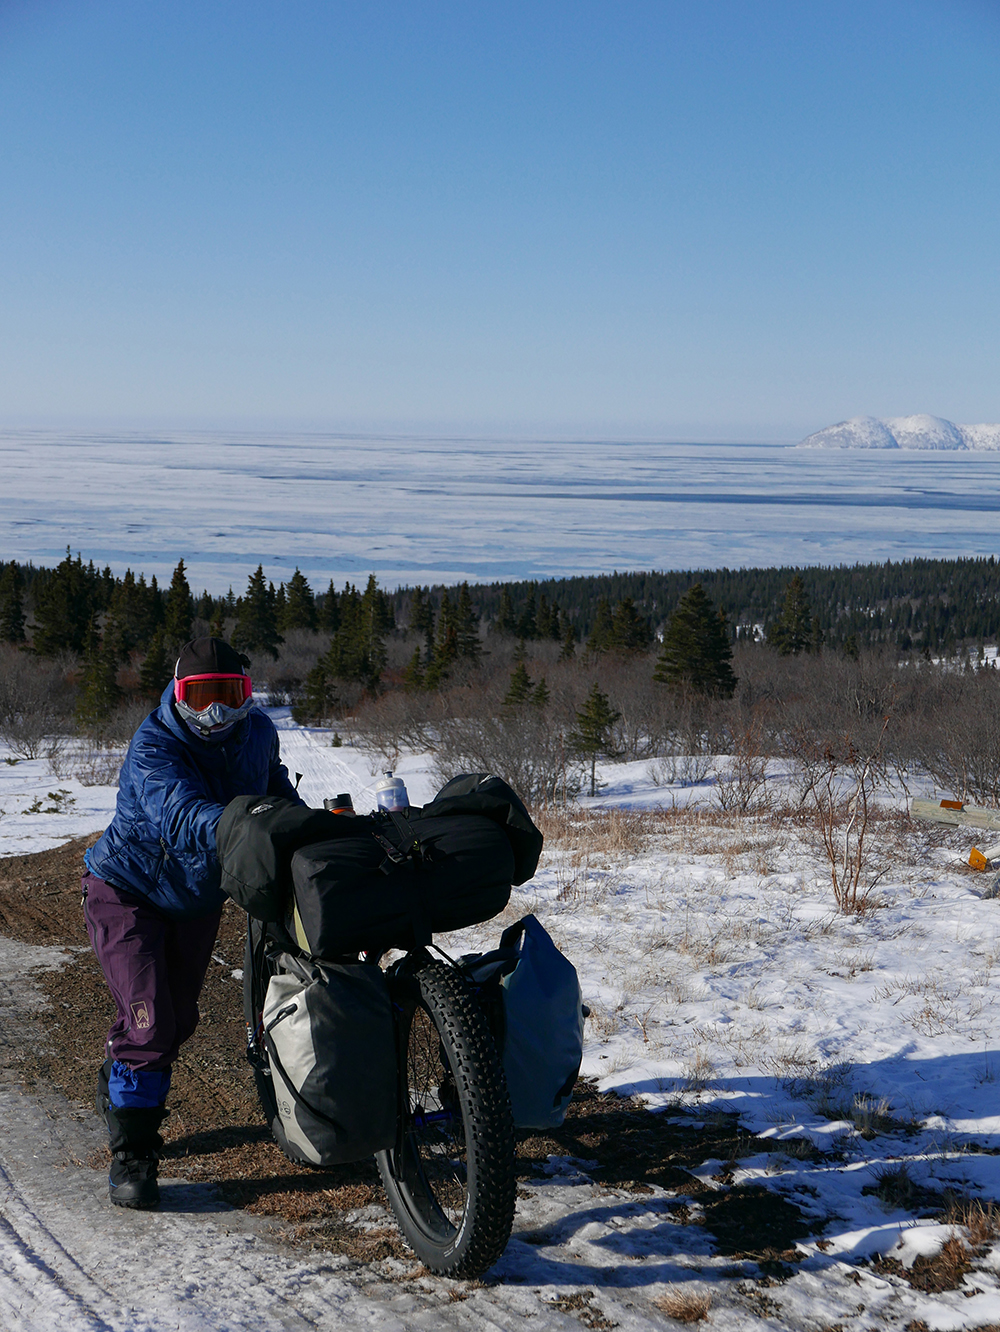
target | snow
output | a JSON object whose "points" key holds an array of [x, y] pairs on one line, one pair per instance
{"points": [[860, 432], [927, 432], [921, 431], [720, 977]]}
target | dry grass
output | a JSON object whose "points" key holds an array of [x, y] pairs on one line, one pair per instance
{"points": [[684, 1306], [980, 1221], [870, 1115], [895, 1188], [944, 1004], [946, 1270], [699, 1072]]}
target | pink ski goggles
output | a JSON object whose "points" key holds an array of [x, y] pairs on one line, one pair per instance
{"points": [[201, 691]]}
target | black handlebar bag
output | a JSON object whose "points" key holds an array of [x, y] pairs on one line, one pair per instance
{"points": [[341, 885], [394, 882], [389, 887]]}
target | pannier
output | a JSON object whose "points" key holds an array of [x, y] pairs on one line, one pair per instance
{"points": [[532, 993], [328, 1033]]}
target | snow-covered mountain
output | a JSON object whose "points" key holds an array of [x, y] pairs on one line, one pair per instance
{"points": [[903, 432]]}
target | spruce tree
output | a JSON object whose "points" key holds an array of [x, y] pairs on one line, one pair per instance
{"points": [[520, 686], [592, 736], [177, 613], [467, 625], [319, 699], [422, 616], [413, 676], [422, 620], [600, 639], [540, 694], [506, 621], [156, 669], [377, 620], [446, 644], [300, 604], [128, 619], [12, 619], [544, 617], [100, 694], [696, 652], [330, 615], [629, 631], [150, 611], [357, 651], [256, 624], [65, 605], [568, 651], [792, 632], [527, 623]]}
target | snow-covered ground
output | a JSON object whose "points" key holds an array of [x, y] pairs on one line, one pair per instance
{"points": [[720, 977]]}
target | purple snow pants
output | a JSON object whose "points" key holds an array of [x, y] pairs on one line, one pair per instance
{"points": [[154, 965]]}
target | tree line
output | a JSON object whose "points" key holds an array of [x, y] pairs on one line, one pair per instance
{"points": [[910, 604], [324, 651]]}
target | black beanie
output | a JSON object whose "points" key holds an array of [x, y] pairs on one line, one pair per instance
{"points": [[209, 656]]}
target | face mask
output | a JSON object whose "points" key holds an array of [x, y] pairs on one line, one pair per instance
{"points": [[215, 721]]}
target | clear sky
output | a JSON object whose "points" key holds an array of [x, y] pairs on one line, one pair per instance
{"points": [[711, 219]]}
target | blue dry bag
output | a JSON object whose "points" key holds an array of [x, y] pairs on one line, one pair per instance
{"points": [[542, 1022]]}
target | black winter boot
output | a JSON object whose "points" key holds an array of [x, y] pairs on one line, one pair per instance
{"points": [[135, 1149]]}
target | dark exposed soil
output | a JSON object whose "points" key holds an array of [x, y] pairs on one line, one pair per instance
{"points": [[217, 1133]]}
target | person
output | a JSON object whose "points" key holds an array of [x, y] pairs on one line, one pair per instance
{"points": [[152, 900]]}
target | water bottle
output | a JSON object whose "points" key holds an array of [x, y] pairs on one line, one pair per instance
{"points": [[340, 804], [391, 794]]}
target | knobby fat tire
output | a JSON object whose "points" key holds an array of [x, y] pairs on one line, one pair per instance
{"points": [[489, 1197], [487, 1121]]}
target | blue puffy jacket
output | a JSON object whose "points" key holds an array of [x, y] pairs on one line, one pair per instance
{"points": [[172, 790]]}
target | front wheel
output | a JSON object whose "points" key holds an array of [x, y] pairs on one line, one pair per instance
{"points": [[450, 1177]]}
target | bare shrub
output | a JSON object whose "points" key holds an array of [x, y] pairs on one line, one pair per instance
{"points": [[98, 764], [690, 735], [521, 745], [117, 730], [645, 709], [397, 721], [36, 701], [843, 800], [953, 732], [94, 756], [742, 784], [285, 677]]}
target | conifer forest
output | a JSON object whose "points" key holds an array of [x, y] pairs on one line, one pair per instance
{"points": [[540, 680]]}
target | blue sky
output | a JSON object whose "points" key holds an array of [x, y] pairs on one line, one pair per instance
{"points": [[682, 220]]}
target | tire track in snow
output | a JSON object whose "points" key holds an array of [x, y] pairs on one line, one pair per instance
{"points": [[49, 1286]]}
